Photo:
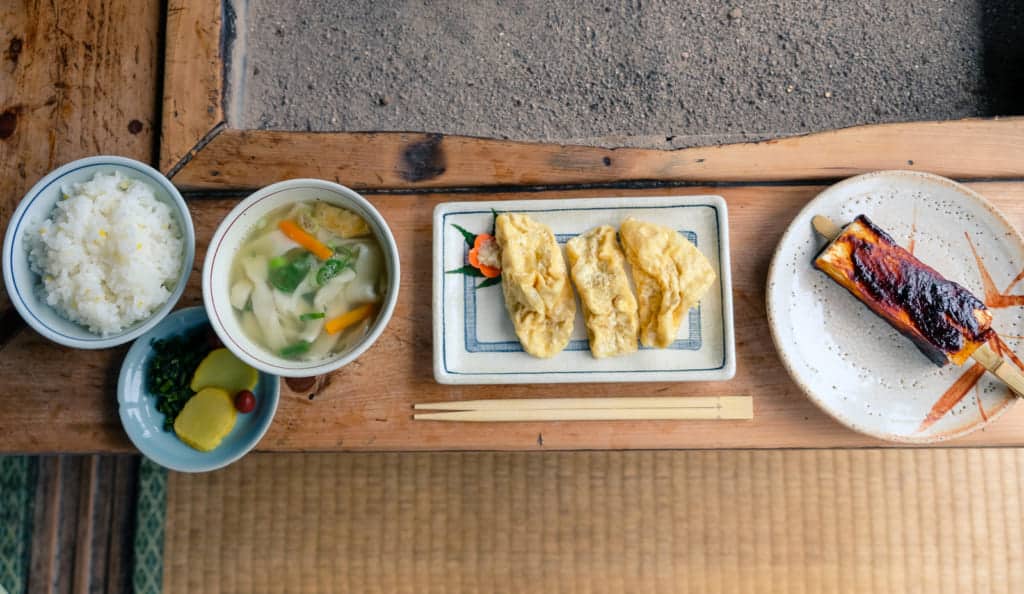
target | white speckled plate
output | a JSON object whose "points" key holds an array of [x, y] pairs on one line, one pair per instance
{"points": [[850, 362], [475, 343]]}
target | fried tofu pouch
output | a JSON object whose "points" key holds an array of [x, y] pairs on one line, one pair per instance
{"points": [[535, 282], [597, 267], [671, 276]]}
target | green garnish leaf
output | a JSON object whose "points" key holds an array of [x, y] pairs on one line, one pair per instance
{"points": [[327, 271], [313, 315], [296, 349], [289, 276], [469, 237], [494, 222], [490, 282], [467, 270], [334, 266], [277, 262]]}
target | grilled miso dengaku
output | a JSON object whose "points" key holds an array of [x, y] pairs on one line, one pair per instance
{"points": [[944, 320]]}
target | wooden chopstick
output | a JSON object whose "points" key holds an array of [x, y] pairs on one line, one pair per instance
{"points": [[590, 409], [570, 403]]}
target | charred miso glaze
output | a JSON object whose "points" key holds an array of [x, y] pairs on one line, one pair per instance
{"points": [[940, 316]]}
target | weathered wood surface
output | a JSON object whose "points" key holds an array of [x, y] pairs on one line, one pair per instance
{"points": [[82, 529], [193, 78], [55, 399], [76, 79], [965, 149]]}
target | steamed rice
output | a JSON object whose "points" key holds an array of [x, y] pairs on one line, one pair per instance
{"points": [[109, 255]]}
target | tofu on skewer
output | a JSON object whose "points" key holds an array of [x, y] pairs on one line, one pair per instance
{"points": [[944, 320]]}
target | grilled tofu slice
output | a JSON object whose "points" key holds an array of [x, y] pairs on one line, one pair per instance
{"points": [[943, 319]]}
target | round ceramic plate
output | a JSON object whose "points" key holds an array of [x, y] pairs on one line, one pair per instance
{"points": [[853, 364], [144, 425]]}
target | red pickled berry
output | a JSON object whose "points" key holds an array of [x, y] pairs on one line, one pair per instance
{"points": [[245, 401]]}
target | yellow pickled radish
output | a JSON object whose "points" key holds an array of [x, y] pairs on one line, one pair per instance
{"points": [[206, 419], [222, 369]]}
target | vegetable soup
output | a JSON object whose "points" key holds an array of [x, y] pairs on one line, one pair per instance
{"points": [[308, 280]]}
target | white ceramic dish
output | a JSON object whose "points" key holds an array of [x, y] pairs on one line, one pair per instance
{"points": [[474, 342], [234, 229], [23, 284], [850, 362]]}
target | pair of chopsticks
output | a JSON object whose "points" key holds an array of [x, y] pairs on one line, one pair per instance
{"points": [[651, 408]]}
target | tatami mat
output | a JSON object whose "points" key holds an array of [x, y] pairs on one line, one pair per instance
{"points": [[928, 521]]}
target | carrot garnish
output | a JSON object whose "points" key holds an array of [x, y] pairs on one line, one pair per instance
{"points": [[484, 241], [335, 325], [296, 234]]}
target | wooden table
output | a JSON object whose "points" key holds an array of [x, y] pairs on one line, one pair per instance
{"points": [[56, 399]]}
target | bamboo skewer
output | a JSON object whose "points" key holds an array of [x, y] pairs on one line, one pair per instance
{"points": [[989, 359], [999, 367], [589, 409]]}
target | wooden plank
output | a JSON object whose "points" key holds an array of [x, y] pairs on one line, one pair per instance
{"points": [[82, 522], [122, 503], [964, 149], [44, 571], [60, 519], [76, 79], [193, 78], [81, 578], [368, 404]]}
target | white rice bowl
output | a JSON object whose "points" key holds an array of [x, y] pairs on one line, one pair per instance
{"points": [[109, 255]]}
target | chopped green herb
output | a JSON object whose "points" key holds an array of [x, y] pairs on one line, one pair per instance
{"points": [[286, 277], [170, 370], [330, 269], [296, 349], [313, 315], [344, 258], [277, 262]]}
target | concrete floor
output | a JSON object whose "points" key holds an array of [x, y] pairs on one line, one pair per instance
{"points": [[656, 73]]}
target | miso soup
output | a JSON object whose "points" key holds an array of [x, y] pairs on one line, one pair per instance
{"points": [[308, 280]]}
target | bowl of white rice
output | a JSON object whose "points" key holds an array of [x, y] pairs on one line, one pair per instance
{"points": [[98, 252]]}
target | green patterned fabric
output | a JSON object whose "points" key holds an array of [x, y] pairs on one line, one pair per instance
{"points": [[17, 483], [151, 509]]}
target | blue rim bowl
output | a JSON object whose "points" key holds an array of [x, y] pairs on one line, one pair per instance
{"points": [[23, 284], [144, 424]]}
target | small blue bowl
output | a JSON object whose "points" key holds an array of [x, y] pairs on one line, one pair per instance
{"points": [[145, 426], [37, 205]]}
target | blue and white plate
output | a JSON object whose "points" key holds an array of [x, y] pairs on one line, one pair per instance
{"points": [[475, 343], [145, 425]]}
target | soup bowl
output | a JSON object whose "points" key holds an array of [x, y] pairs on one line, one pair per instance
{"points": [[227, 242]]}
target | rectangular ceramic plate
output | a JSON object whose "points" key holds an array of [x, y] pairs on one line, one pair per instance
{"points": [[475, 343]]}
